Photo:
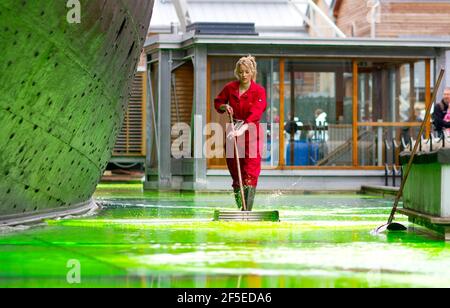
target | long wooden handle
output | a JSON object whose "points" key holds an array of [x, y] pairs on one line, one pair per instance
{"points": [[416, 145], [241, 187]]}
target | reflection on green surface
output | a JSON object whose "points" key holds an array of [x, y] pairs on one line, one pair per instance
{"points": [[169, 240]]}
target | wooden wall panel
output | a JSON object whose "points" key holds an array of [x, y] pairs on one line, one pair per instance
{"points": [[397, 18], [351, 18], [182, 94], [131, 139]]}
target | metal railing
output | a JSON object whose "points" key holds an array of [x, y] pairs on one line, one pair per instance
{"points": [[392, 150], [392, 170]]}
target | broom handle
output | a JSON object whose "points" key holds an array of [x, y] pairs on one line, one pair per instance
{"points": [[416, 145], [241, 187]]}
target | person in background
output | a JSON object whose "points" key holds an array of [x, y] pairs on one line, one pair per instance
{"points": [[321, 117], [321, 123], [292, 127], [447, 119], [274, 113], [245, 100], [440, 110]]}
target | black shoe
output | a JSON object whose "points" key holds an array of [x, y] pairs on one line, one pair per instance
{"points": [[249, 192]]}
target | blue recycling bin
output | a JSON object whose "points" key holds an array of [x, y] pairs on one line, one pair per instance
{"points": [[306, 153]]}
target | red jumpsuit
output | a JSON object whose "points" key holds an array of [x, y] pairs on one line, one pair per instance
{"points": [[249, 108]]}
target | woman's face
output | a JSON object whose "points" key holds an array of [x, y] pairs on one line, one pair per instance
{"points": [[245, 74], [447, 95]]}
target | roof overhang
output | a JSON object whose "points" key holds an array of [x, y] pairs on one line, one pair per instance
{"points": [[317, 41], [284, 44]]}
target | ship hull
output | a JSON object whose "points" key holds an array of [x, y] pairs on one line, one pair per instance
{"points": [[63, 91]]}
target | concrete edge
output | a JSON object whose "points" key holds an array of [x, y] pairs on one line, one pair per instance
{"points": [[438, 227], [428, 218], [304, 172], [79, 209], [379, 190], [271, 191]]}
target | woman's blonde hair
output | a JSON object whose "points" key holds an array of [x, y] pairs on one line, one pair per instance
{"points": [[249, 62]]}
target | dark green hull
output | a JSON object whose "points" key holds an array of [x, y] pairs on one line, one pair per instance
{"points": [[63, 91]]}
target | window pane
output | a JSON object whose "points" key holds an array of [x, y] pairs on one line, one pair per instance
{"points": [[393, 93], [222, 72], [418, 94], [269, 78], [153, 91], [318, 113]]}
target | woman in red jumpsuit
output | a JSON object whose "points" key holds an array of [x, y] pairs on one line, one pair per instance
{"points": [[245, 100]]}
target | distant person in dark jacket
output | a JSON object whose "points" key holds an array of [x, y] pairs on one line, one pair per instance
{"points": [[440, 110]]}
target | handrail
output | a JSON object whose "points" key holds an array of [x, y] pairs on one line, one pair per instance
{"points": [[339, 149], [389, 124], [319, 11]]}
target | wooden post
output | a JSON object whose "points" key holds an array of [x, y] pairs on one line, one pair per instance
{"points": [[282, 162], [428, 93], [293, 103], [339, 92], [412, 96], [355, 115]]}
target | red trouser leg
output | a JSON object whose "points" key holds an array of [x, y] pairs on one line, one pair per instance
{"points": [[250, 170], [232, 167]]}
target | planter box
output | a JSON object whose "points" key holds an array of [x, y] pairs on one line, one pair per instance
{"points": [[426, 196]]}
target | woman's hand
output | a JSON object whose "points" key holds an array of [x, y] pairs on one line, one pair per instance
{"points": [[239, 132], [227, 108]]}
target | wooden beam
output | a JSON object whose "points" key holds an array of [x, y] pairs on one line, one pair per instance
{"points": [[389, 124]]}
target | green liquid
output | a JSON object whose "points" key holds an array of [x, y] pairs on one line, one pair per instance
{"points": [[169, 240]]}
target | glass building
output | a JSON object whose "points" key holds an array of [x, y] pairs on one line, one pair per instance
{"points": [[334, 104]]}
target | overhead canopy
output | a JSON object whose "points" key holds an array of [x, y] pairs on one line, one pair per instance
{"points": [[280, 17]]}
